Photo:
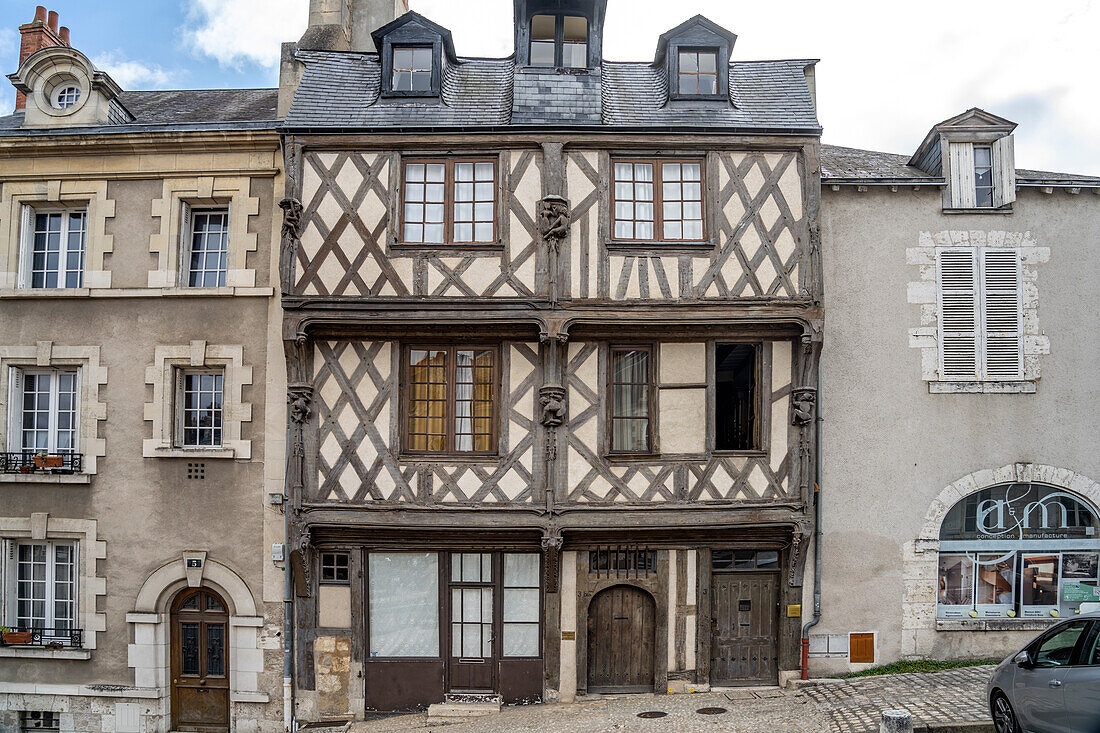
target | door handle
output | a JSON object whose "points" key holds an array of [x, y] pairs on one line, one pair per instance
{"points": [[1055, 683], [203, 682]]}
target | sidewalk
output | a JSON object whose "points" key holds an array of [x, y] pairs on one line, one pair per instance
{"points": [[951, 698]]}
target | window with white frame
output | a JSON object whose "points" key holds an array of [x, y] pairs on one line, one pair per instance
{"points": [[44, 575], [44, 411], [199, 402], [980, 315], [54, 248], [206, 254], [983, 174]]}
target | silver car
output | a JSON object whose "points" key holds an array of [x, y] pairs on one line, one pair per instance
{"points": [[1053, 684]]}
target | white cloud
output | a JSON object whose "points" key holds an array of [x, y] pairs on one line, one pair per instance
{"points": [[131, 74], [240, 32], [9, 46]]}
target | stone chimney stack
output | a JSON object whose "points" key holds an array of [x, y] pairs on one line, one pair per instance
{"points": [[335, 25], [42, 32]]}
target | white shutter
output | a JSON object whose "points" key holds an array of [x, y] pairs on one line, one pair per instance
{"points": [[957, 280], [26, 246], [1001, 314], [1004, 172], [15, 409], [183, 277], [962, 175]]}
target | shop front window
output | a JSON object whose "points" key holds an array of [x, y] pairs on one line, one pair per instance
{"points": [[404, 604], [1018, 551]]}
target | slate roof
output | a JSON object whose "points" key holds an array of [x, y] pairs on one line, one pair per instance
{"points": [[341, 89], [205, 107], [852, 165]]}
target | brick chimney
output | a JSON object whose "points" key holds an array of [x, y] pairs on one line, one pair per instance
{"points": [[42, 32]]}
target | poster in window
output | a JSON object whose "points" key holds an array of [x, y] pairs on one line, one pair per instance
{"points": [[996, 584], [1039, 585], [1079, 565], [956, 586]]}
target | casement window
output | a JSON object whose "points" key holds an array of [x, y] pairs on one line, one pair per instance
{"points": [[559, 41], [632, 399], [980, 316], [53, 248], [449, 202], [199, 400], [698, 72], [647, 210], [412, 69], [45, 411], [735, 397], [451, 398], [206, 250], [983, 175], [403, 593], [335, 568], [45, 593]]}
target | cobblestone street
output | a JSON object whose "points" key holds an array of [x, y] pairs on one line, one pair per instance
{"points": [[954, 697]]}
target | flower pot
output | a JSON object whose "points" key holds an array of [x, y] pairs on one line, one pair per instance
{"points": [[49, 461], [26, 469], [18, 637]]}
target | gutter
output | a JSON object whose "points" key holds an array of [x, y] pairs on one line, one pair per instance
{"points": [[289, 725], [817, 539]]}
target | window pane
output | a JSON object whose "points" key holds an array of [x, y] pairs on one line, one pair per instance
{"points": [[1057, 651], [215, 649], [521, 570], [209, 248], [1039, 584], [956, 580], [734, 396], [404, 604], [575, 55], [542, 27], [521, 640], [189, 648], [707, 62], [689, 61], [521, 604], [708, 84], [202, 409], [542, 53]]}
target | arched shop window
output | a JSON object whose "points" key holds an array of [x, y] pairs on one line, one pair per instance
{"points": [[1018, 551]]}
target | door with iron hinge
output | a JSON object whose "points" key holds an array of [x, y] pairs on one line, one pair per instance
{"points": [[744, 629]]}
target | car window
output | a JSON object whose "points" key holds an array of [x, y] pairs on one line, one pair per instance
{"points": [[1057, 649], [1090, 654]]}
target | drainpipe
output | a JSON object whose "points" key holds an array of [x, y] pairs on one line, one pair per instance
{"points": [[288, 603], [817, 535]]}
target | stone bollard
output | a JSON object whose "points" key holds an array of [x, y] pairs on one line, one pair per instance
{"points": [[896, 721]]}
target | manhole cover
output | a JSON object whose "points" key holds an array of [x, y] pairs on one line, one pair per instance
{"points": [[711, 711], [653, 714]]}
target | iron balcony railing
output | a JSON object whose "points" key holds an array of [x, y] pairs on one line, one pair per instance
{"points": [[56, 638], [38, 462]]}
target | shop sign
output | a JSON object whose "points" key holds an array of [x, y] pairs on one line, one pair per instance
{"points": [[1020, 512]]}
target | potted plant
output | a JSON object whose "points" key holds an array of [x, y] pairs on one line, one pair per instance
{"points": [[10, 636], [44, 460]]}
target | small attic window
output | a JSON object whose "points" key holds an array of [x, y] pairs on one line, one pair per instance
{"points": [[559, 41], [412, 69], [65, 96], [698, 72]]}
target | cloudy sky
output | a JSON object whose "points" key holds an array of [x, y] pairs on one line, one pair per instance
{"points": [[888, 70]]}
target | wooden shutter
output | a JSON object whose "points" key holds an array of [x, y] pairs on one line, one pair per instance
{"points": [[1001, 314], [957, 276], [861, 648], [184, 267], [1004, 172], [15, 409], [962, 175], [26, 246]]}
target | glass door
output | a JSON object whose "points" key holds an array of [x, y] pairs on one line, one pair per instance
{"points": [[473, 654]]}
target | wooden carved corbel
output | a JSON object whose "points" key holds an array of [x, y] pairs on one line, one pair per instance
{"points": [[301, 564], [797, 559], [291, 237], [551, 550], [803, 401], [552, 399], [299, 397], [553, 220]]}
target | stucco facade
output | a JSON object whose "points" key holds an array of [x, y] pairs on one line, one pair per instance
{"points": [[899, 448]]}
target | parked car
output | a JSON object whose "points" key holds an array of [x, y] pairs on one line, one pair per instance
{"points": [[1053, 684]]}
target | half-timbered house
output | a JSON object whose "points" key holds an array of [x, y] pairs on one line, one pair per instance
{"points": [[551, 326]]}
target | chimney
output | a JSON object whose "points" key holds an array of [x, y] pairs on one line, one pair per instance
{"points": [[42, 32]]}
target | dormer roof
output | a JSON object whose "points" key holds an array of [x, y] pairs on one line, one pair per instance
{"points": [[55, 68], [695, 30], [973, 120], [414, 24]]}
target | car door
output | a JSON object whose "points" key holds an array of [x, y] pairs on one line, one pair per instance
{"points": [[1081, 686], [1038, 686]]}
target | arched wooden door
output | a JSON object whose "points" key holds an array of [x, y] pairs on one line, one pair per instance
{"points": [[200, 662], [622, 634]]}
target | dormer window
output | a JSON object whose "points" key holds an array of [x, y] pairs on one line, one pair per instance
{"points": [[66, 96], [412, 69], [698, 72], [559, 41]]}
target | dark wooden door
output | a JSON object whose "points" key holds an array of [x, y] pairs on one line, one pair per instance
{"points": [[200, 662], [472, 630], [744, 649], [622, 633]]}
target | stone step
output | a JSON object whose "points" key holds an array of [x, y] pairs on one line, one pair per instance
{"points": [[446, 712]]}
